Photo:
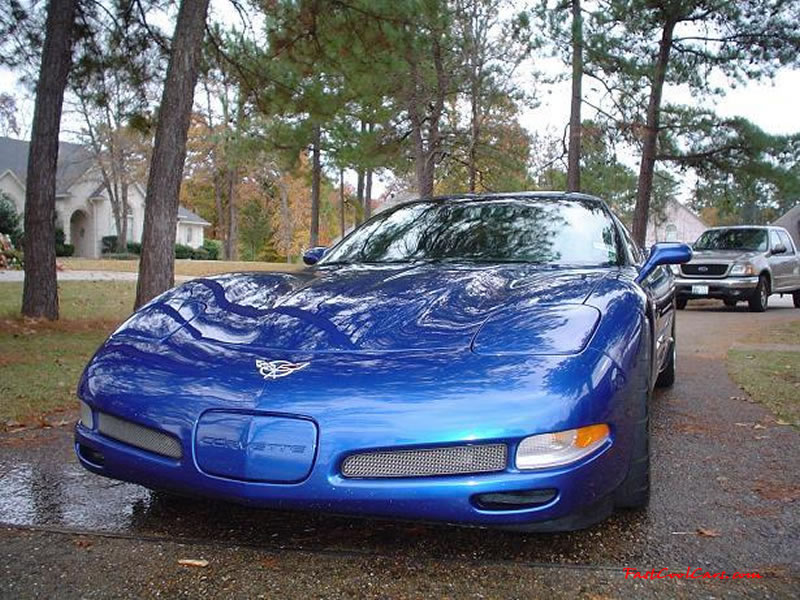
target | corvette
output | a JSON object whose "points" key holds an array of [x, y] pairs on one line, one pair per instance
{"points": [[479, 360]]}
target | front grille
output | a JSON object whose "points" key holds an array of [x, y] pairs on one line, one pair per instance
{"points": [[139, 436], [427, 462], [701, 270]]}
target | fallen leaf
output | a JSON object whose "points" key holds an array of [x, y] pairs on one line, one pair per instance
{"points": [[759, 426], [193, 562], [83, 543], [782, 422], [702, 531], [269, 562], [743, 424]]}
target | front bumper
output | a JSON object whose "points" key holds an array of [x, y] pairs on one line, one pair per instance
{"points": [[583, 490], [728, 288]]}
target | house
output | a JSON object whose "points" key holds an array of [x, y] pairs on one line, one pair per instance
{"points": [[83, 208], [791, 223], [674, 223]]}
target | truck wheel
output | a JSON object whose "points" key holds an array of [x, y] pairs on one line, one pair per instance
{"points": [[680, 303], [730, 303], [796, 298], [758, 301]]}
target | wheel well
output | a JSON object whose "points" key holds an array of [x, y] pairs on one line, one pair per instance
{"points": [[765, 274]]}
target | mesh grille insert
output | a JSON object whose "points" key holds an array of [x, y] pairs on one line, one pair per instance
{"points": [[455, 460], [136, 435], [704, 270]]}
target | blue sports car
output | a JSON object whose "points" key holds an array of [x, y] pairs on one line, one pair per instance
{"points": [[482, 360]]}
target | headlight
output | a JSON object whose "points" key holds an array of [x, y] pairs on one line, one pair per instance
{"points": [[742, 269], [560, 448], [676, 270]]}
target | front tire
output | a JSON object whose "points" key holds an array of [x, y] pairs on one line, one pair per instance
{"points": [[730, 303], [758, 301], [667, 377], [634, 492], [680, 303], [796, 298]]}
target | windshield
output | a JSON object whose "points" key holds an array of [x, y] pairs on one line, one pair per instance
{"points": [[733, 239], [535, 230]]}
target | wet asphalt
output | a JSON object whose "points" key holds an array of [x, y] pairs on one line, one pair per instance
{"points": [[726, 493]]}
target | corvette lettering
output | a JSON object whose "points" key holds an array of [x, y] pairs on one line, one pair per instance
{"points": [[219, 442], [273, 369]]}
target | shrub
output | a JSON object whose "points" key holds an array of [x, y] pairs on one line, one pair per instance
{"points": [[108, 244], [63, 249], [182, 251], [214, 249], [10, 221], [200, 254], [134, 248]]}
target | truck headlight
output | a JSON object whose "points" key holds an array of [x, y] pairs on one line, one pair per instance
{"points": [[676, 270], [742, 269], [548, 450]]}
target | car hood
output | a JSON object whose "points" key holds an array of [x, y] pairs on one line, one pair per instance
{"points": [[367, 308]]}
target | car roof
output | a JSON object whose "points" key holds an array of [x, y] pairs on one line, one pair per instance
{"points": [[539, 195], [747, 227]]}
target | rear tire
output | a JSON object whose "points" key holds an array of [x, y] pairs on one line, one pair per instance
{"points": [[680, 303], [634, 492], [758, 301], [796, 298], [730, 303]]}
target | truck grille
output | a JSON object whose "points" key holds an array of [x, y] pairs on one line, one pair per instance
{"points": [[427, 462], [701, 270]]}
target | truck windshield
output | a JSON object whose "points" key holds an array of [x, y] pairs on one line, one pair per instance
{"points": [[733, 239]]}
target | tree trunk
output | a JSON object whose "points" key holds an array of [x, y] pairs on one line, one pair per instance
{"points": [[368, 195], [157, 266], [316, 169], [40, 290], [341, 203], [574, 154], [232, 239], [359, 196], [647, 167]]}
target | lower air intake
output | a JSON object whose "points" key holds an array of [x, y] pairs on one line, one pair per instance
{"points": [[454, 460], [139, 436]]}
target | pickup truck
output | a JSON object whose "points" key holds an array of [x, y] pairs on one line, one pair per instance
{"points": [[744, 263]]}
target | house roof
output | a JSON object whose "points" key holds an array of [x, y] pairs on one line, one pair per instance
{"points": [[790, 217], [187, 216], [73, 161]]}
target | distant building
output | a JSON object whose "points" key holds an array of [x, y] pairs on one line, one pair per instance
{"points": [[83, 209], [791, 223], [675, 223]]}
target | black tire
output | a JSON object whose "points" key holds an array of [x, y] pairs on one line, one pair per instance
{"points": [[634, 492], [680, 303], [667, 377], [730, 303], [758, 301], [796, 298]]}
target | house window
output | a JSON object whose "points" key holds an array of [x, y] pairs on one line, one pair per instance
{"points": [[130, 225], [189, 235], [671, 232]]}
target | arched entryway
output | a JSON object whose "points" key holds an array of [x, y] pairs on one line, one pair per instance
{"points": [[80, 235]]}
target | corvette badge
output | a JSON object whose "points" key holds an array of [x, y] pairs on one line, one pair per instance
{"points": [[273, 369]]}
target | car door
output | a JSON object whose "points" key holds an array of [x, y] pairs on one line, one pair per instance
{"points": [[780, 263], [792, 261]]}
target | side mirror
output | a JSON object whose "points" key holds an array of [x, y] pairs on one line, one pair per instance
{"points": [[313, 255], [665, 253], [779, 249]]}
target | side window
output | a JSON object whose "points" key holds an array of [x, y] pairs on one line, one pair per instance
{"points": [[787, 241], [633, 250], [774, 240]]}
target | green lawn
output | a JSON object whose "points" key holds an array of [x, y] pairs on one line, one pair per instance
{"points": [[40, 362], [771, 377]]}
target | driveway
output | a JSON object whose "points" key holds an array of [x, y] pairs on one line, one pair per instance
{"points": [[725, 498]]}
